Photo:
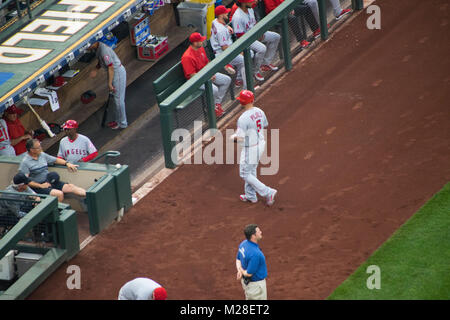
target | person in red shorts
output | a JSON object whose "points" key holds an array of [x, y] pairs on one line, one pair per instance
{"points": [[17, 132]]}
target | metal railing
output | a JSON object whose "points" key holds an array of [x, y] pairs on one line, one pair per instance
{"points": [[203, 77], [19, 11]]}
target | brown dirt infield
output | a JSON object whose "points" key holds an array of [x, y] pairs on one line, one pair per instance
{"points": [[364, 143]]}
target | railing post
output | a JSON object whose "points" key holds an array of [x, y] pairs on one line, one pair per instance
{"points": [[29, 10], [248, 63], [357, 4], [323, 19], [285, 43], [19, 12], [210, 105], [166, 133]]}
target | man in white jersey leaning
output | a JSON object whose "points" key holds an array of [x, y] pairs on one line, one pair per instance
{"points": [[75, 147], [142, 289], [221, 40], [250, 134], [6, 149], [243, 20]]}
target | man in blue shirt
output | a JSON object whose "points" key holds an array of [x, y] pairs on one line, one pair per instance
{"points": [[251, 265]]}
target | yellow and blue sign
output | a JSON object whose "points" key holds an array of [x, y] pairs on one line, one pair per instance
{"points": [[58, 35]]}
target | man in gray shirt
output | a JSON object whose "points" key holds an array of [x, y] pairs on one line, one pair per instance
{"points": [[10, 203], [117, 81], [35, 165]]}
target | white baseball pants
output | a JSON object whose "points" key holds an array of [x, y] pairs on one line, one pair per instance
{"points": [[248, 164], [238, 64], [265, 51], [220, 86]]}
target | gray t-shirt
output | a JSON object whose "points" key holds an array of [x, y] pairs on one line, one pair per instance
{"points": [[19, 208], [36, 170], [138, 289], [107, 57]]}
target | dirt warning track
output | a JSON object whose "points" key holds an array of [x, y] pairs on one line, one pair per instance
{"points": [[364, 143]]}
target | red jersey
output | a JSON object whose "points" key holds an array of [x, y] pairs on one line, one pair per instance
{"points": [[271, 5], [193, 61], [233, 9], [16, 130]]}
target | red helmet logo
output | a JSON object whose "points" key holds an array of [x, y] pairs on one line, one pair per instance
{"points": [[246, 97], [70, 124]]}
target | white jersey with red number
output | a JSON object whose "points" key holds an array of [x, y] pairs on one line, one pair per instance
{"points": [[6, 148], [76, 150], [242, 22], [250, 126], [220, 36]]}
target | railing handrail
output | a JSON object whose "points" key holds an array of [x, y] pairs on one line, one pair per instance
{"points": [[225, 57], [106, 154]]}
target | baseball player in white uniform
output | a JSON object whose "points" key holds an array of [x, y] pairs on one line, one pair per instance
{"points": [[75, 147], [6, 149], [243, 20], [221, 40], [142, 289], [249, 133]]}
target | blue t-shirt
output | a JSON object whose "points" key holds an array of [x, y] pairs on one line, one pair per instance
{"points": [[252, 260]]}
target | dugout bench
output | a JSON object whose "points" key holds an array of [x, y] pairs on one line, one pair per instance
{"points": [[174, 78]]}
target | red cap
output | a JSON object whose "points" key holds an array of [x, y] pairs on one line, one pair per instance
{"points": [[160, 293], [14, 110], [196, 37], [70, 124], [221, 10], [59, 81], [246, 97]]}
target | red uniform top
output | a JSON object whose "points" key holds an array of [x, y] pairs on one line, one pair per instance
{"points": [[271, 4], [193, 61], [233, 9], [16, 130]]}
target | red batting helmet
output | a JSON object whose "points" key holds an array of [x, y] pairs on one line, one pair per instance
{"points": [[70, 124], [246, 97], [160, 293]]}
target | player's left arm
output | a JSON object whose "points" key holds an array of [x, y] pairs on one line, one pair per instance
{"points": [[92, 152]]}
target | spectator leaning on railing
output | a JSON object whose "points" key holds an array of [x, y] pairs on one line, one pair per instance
{"points": [[243, 20], [221, 40], [194, 59]]}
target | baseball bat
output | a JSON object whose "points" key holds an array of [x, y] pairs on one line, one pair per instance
{"points": [[105, 113], [42, 122]]}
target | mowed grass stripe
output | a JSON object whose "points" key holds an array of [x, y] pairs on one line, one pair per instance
{"points": [[414, 263]]}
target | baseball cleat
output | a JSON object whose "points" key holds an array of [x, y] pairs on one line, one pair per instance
{"points": [[343, 13], [259, 77], [229, 68], [219, 110], [316, 33], [112, 124], [244, 198], [239, 83], [304, 44], [269, 67], [271, 197]]}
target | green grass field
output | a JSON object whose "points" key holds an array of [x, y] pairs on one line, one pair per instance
{"points": [[414, 263]]}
